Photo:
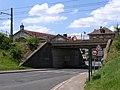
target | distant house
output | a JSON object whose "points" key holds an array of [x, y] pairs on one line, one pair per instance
{"points": [[59, 37], [101, 34], [22, 33]]}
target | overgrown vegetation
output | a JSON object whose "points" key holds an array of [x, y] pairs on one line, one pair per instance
{"points": [[5, 42], [32, 43], [12, 53], [108, 77]]}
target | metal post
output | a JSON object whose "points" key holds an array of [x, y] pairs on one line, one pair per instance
{"points": [[81, 36], [94, 64], [11, 26], [90, 60], [91, 63]]}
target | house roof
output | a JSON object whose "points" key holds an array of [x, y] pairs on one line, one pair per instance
{"points": [[37, 34], [98, 31], [59, 36]]}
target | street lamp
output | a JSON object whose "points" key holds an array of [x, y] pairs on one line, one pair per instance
{"points": [[11, 25], [82, 37]]}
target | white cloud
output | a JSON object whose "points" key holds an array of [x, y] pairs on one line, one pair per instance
{"points": [[75, 11], [46, 14], [102, 16], [5, 25], [39, 29], [44, 19], [38, 10], [113, 28], [58, 8]]}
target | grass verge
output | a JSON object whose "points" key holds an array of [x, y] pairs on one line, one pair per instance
{"points": [[108, 77], [8, 63]]}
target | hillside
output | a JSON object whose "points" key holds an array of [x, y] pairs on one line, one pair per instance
{"points": [[7, 62], [12, 53], [108, 77]]}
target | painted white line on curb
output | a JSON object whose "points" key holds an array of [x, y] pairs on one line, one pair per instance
{"points": [[65, 82]]}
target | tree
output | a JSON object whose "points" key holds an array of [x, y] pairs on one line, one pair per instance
{"points": [[5, 42], [117, 29]]}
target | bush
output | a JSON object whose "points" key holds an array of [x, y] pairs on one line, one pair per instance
{"points": [[96, 76], [21, 39], [117, 43], [32, 43], [5, 42], [16, 53]]}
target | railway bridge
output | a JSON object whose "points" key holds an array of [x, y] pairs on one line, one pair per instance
{"points": [[62, 53]]}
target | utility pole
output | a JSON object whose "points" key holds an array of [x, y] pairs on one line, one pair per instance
{"points": [[11, 24]]}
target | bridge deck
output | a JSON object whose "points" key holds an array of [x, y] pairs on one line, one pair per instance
{"points": [[79, 44]]}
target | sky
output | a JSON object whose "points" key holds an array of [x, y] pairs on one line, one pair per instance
{"points": [[72, 17]]}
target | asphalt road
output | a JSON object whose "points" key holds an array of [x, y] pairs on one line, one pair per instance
{"points": [[36, 80]]}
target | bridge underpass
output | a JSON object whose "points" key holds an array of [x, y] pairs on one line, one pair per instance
{"points": [[68, 54], [61, 54]]}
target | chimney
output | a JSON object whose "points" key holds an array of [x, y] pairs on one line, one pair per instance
{"points": [[65, 35], [100, 27], [22, 27]]}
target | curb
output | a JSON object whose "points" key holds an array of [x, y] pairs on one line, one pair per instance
{"points": [[20, 71], [57, 87]]}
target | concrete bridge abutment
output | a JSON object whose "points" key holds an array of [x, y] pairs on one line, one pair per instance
{"points": [[67, 58]]}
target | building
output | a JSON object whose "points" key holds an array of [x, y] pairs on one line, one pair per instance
{"points": [[23, 34], [59, 37], [101, 34]]}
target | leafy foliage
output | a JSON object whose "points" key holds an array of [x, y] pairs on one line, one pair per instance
{"points": [[117, 43], [16, 53], [5, 42], [21, 39], [32, 43]]}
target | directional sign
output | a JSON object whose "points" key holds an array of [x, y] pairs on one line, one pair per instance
{"points": [[100, 51], [99, 48], [94, 52]]}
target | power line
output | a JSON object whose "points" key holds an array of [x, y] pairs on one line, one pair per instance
{"points": [[68, 12], [4, 10], [25, 12], [49, 4], [4, 18], [73, 6], [80, 5], [68, 7]]}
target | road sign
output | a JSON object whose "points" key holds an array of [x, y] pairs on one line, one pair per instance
{"points": [[94, 52], [100, 51], [99, 48]]}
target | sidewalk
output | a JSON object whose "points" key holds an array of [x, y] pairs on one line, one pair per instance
{"points": [[74, 83]]}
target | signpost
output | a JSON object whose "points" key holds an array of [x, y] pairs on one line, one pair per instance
{"points": [[94, 53], [100, 54]]}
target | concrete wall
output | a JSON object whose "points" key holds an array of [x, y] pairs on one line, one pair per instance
{"points": [[42, 58], [48, 57], [69, 58]]}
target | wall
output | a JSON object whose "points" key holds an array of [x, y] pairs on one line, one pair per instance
{"points": [[48, 57], [69, 58], [42, 58], [20, 34]]}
